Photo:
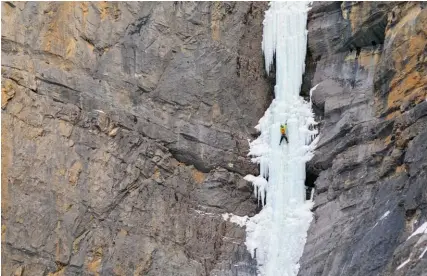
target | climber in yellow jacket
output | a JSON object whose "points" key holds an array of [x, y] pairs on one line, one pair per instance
{"points": [[283, 132]]}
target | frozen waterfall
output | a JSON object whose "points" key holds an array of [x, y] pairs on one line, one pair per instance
{"points": [[276, 236]]}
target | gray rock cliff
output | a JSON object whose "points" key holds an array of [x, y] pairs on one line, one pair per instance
{"points": [[369, 60], [125, 128]]}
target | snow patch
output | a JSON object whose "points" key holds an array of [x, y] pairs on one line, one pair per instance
{"points": [[385, 215], [381, 218], [311, 93], [403, 264], [421, 230], [241, 221], [422, 254], [225, 216]]}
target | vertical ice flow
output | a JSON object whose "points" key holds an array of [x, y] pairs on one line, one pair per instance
{"points": [[276, 236]]}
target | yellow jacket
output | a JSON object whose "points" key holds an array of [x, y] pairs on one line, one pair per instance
{"points": [[283, 129]]}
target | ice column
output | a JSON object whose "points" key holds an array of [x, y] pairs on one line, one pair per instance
{"points": [[276, 236]]}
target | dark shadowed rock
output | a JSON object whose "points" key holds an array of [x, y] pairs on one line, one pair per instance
{"points": [[371, 157]]}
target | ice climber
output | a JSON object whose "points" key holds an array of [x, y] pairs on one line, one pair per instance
{"points": [[283, 132]]}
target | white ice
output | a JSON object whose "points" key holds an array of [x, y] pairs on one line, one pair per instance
{"points": [[276, 236]]}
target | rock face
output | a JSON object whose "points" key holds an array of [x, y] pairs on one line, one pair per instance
{"points": [[125, 128], [370, 61]]}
